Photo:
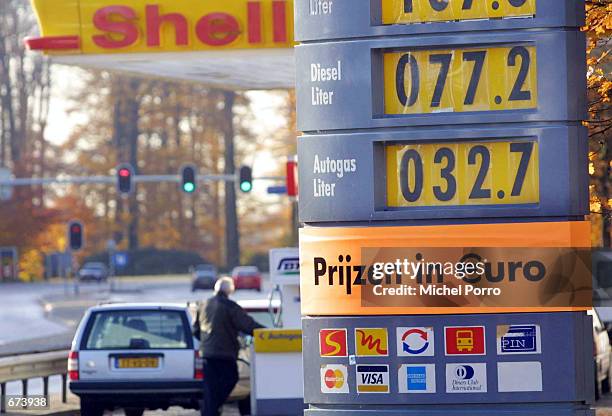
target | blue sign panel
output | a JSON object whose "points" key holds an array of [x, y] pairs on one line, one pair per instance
{"points": [[511, 358], [370, 176], [474, 78]]}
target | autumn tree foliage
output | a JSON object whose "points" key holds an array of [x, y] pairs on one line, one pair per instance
{"points": [[158, 126], [599, 29]]}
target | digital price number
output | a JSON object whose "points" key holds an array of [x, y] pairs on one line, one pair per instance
{"points": [[460, 80], [423, 11], [465, 173]]}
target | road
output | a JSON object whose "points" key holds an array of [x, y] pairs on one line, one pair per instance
{"points": [[42, 316]]}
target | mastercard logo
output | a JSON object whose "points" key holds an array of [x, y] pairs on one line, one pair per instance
{"points": [[334, 378]]}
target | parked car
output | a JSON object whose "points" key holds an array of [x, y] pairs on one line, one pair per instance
{"points": [[602, 353], [93, 271], [135, 357], [203, 277], [247, 277]]}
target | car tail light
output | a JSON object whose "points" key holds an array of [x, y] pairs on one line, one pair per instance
{"points": [[198, 366], [73, 365]]}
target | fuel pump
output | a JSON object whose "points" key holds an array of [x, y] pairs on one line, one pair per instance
{"points": [[276, 353]]}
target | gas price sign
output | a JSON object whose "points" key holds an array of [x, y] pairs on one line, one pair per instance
{"points": [[425, 11], [466, 173], [460, 80]]}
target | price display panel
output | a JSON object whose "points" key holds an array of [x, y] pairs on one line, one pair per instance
{"points": [[426, 11], [462, 174], [460, 80]]}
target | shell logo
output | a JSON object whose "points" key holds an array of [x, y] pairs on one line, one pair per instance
{"points": [[107, 26]]}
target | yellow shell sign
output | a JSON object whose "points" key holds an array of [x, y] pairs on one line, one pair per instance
{"points": [[136, 26]]}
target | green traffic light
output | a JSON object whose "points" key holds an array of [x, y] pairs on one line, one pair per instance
{"points": [[189, 187], [246, 186]]}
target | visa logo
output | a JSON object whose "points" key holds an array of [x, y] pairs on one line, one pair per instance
{"points": [[370, 378], [373, 379]]}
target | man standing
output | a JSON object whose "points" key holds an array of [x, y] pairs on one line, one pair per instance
{"points": [[218, 324]]}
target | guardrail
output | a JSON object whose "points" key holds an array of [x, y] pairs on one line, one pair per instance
{"points": [[26, 367]]}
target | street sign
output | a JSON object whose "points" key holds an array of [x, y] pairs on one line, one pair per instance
{"points": [[517, 76], [338, 19], [486, 172], [277, 190], [6, 191], [121, 259]]}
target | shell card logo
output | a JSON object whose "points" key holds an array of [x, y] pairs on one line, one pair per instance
{"points": [[334, 379], [371, 342], [332, 343], [465, 340]]}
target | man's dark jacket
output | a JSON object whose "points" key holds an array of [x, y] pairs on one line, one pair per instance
{"points": [[220, 321]]}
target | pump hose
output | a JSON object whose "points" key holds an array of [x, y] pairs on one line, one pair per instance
{"points": [[276, 316]]}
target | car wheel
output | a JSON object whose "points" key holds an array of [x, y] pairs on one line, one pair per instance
{"points": [[90, 408], [133, 411]]}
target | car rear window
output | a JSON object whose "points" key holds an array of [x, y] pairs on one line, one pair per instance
{"points": [[137, 329]]}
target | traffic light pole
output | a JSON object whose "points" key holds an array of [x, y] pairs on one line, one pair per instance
{"points": [[78, 180]]}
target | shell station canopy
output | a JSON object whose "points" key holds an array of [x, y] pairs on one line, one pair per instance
{"points": [[233, 44]]}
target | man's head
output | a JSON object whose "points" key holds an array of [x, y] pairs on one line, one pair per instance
{"points": [[225, 285]]}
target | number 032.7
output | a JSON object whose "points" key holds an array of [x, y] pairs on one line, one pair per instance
{"points": [[466, 173]]}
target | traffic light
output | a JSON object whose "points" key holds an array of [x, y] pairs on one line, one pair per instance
{"points": [[75, 235], [292, 177], [246, 179], [124, 178], [189, 175]]}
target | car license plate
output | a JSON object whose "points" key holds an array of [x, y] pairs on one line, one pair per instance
{"points": [[460, 80], [423, 11], [140, 362], [464, 173]]}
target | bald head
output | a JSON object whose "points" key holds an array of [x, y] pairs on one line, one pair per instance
{"points": [[225, 285]]}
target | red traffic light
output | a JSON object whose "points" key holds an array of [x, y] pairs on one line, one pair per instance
{"points": [[75, 235], [292, 178], [124, 178]]}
